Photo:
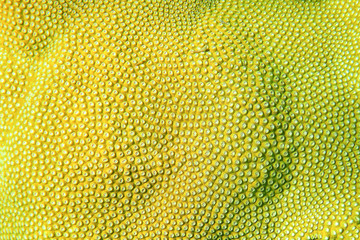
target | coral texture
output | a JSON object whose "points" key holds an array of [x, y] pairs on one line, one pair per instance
{"points": [[179, 119]]}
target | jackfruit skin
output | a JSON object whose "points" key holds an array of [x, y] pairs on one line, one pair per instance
{"points": [[230, 119]]}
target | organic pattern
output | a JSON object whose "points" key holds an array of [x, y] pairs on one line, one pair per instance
{"points": [[182, 119]]}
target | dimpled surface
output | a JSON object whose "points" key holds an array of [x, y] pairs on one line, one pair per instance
{"points": [[228, 119]]}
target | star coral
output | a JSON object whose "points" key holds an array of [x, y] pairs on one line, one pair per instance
{"points": [[228, 119]]}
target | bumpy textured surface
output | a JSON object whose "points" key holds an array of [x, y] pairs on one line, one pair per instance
{"points": [[228, 119]]}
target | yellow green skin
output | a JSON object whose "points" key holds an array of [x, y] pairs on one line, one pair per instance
{"points": [[223, 119]]}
